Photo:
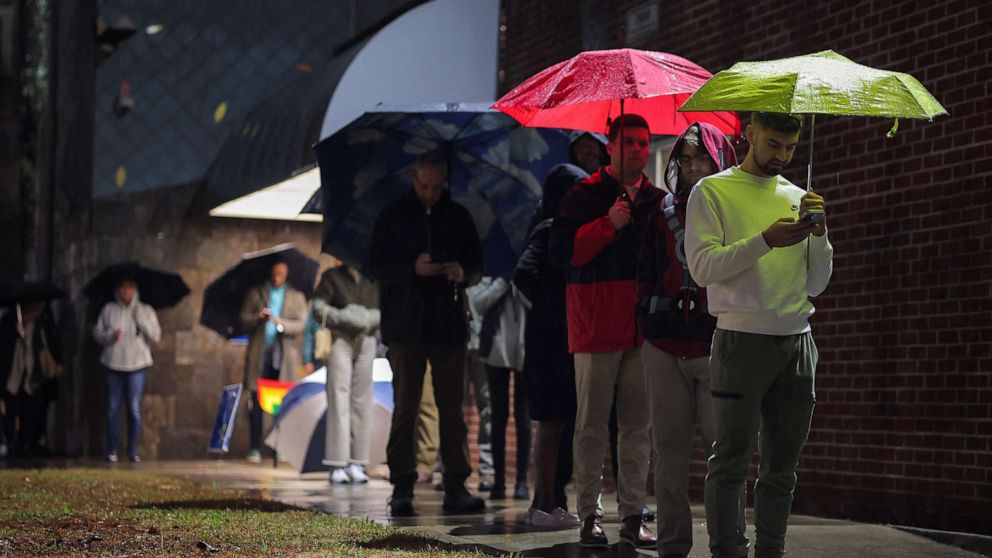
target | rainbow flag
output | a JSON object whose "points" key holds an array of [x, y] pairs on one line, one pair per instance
{"points": [[270, 394]]}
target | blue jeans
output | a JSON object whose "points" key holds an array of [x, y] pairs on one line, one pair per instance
{"points": [[121, 387]]}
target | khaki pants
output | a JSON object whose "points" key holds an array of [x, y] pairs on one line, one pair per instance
{"points": [[762, 390], [349, 401], [679, 397], [428, 435], [409, 363], [597, 377]]}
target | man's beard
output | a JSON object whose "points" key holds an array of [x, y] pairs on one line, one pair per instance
{"points": [[767, 168]]}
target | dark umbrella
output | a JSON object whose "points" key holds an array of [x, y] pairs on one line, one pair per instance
{"points": [[24, 291], [158, 288], [495, 169], [223, 298]]}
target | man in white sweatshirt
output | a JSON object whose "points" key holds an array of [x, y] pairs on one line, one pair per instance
{"points": [[758, 244]]}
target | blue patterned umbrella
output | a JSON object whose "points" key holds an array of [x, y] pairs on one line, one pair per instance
{"points": [[495, 167]]}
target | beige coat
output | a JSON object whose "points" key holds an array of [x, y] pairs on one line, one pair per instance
{"points": [[294, 317]]}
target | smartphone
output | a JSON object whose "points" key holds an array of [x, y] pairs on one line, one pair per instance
{"points": [[815, 217]]}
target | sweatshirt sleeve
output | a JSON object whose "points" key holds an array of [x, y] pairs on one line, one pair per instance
{"points": [[486, 294], [710, 261], [821, 264], [102, 332], [148, 323]]}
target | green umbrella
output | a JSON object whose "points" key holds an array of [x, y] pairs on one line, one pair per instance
{"points": [[820, 83]]}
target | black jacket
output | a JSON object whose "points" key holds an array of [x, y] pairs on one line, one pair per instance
{"points": [[423, 310]]}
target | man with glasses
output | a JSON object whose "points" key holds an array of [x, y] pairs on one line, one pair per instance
{"points": [[673, 317]]}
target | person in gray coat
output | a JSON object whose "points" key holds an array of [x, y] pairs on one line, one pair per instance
{"points": [[275, 315], [125, 328], [347, 302], [501, 349]]}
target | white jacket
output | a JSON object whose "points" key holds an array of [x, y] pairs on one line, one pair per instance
{"points": [[500, 295], [139, 327]]}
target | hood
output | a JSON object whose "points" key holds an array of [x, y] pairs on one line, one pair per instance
{"points": [[575, 136], [720, 149], [134, 301]]}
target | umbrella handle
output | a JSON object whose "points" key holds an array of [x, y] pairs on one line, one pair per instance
{"points": [[809, 169]]}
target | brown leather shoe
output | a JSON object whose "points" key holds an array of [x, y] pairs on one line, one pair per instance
{"points": [[591, 535], [634, 532]]}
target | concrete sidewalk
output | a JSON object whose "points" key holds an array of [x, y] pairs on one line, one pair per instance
{"points": [[501, 530]]}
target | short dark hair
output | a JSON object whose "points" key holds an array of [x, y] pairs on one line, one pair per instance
{"points": [[626, 121], [778, 121], [279, 260], [434, 159], [127, 278]]}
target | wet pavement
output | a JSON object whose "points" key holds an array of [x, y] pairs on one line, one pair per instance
{"points": [[501, 529]]}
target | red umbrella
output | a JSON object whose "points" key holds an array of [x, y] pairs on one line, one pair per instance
{"points": [[586, 91]]}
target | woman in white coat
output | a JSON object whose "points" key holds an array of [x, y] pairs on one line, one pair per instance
{"points": [[125, 329]]}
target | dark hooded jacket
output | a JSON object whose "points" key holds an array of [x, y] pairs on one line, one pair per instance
{"points": [[600, 263], [423, 310], [542, 282], [672, 310]]}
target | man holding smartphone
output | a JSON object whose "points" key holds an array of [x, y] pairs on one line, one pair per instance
{"points": [[749, 241], [275, 316], [424, 251]]}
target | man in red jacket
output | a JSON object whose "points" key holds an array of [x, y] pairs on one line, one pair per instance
{"points": [[672, 315], [596, 237]]}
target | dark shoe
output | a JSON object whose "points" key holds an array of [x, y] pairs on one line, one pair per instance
{"points": [[646, 514], [498, 492], [673, 555], [485, 485], [520, 491], [460, 501], [635, 533], [591, 534], [401, 502]]}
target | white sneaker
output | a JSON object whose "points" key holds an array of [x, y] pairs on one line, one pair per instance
{"points": [[357, 473], [565, 518], [339, 476]]}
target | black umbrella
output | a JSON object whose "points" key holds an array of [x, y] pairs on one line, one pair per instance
{"points": [[23, 291], [158, 288], [223, 298]]}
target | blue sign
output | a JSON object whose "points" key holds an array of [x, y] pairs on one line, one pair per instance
{"points": [[220, 438]]}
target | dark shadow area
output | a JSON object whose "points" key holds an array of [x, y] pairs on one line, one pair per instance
{"points": [[415, 543], [501, 527], [249, 504], [981, 544], [573, 550]]}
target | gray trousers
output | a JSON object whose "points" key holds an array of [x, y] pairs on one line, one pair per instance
{"points": [[475, 374], [597, 377], [678, 392], [349, 401], [762, 392]]}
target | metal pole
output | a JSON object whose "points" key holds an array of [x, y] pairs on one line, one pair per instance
{"points": [[809, 170]]}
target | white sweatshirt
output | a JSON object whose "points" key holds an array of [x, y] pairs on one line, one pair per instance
{"points": [[751, 287], [139, 326]]}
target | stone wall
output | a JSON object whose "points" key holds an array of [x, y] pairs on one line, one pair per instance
{"points": [[192, 363]]}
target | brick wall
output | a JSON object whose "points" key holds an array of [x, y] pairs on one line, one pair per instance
{"points": [[903, 427]]}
